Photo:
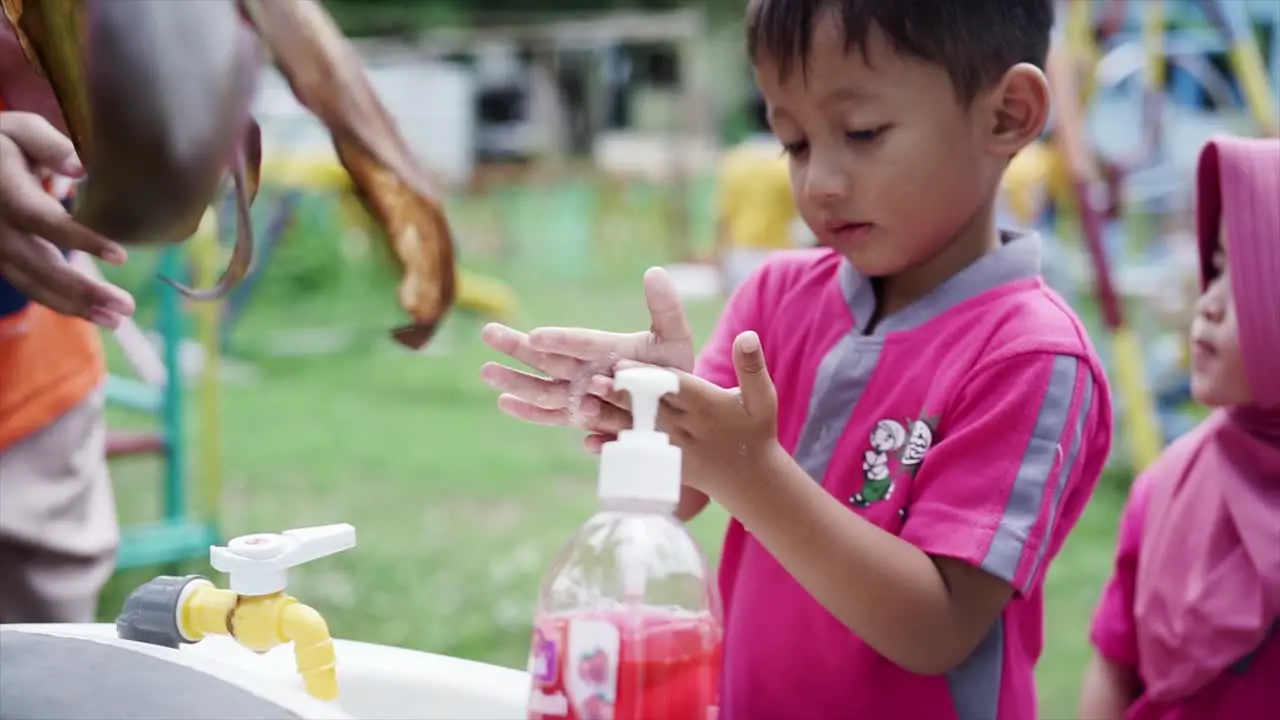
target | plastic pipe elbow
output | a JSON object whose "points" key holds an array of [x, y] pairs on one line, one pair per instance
{"points": [[313, 649]]}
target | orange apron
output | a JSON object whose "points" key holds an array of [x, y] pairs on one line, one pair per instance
{"points": [[49, 363]]}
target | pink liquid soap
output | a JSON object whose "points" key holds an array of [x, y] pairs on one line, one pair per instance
{"points": [[628, 625], [627, 666]]}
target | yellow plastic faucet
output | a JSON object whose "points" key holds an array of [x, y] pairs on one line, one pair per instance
{"points": [[256, 612]]}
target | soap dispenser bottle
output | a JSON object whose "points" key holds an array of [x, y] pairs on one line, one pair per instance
{"points": [[629, 621]]}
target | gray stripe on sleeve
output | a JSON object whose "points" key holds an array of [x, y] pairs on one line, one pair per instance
{"points": [[1064, 472], [1027, 494]]}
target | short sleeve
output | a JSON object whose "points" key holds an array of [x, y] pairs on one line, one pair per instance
{"points": [[1018, 453], [1113, 629], [741, 313]]}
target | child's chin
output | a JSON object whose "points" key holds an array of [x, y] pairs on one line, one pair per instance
{"points": [[1205, 391], [873, 264]]}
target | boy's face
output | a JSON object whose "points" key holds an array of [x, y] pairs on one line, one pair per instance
{"points": [[887, 166], [1217, 364]]}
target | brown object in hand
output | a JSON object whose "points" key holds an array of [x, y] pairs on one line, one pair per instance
{"points": [[128, 123], [328, 78], [156, 97]]}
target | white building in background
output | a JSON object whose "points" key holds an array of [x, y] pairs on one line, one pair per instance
{"points": [[432, 102]]}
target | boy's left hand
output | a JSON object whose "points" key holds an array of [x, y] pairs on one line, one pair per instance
{"points": [[724, 434]]}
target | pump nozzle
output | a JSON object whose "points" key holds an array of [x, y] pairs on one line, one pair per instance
{"points": [[646, 385], [641, 464]]}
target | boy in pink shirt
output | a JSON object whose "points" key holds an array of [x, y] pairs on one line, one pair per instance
{"points": [[1187, 626], [904, 423]]}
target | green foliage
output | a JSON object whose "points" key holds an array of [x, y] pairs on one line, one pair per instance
{"points": [[394, 17], [401, 17]]}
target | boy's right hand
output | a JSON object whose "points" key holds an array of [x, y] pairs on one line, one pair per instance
{"points": [[33, 224], [576, 362]]}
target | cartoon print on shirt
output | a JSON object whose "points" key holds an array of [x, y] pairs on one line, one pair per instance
{"points": [[877, 483], [918, 444], [889, 438]]}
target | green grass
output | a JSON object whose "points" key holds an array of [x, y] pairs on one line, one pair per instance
{"points": [[459, 509]]}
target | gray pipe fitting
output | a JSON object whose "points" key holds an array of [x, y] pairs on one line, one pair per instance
{"points": [[150, 613]]}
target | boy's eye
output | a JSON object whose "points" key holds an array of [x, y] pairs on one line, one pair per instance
{"points": [[865, 135], [795, 148]]}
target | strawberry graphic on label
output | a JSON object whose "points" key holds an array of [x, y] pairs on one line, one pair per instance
{"points": [[594, 668], [597, 707]]}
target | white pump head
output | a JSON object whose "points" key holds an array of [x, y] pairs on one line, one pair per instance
{"points": [[642, 464], [259, 564]]}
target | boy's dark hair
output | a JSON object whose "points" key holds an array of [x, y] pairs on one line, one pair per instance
{"points": [[976, 41]]}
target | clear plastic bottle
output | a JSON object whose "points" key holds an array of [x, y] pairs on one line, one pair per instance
{"points": [[629, 618]]}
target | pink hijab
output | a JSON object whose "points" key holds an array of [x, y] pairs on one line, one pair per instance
{"points": [[1208, 586]]}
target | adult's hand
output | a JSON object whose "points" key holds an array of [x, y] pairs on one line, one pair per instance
{"points": [[34, 226], [575, 364]]}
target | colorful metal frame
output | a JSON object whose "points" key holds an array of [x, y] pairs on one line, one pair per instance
{"points": [[1233, 22], [185, 529]]}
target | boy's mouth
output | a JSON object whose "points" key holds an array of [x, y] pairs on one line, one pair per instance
{"points": [[846, 232]]}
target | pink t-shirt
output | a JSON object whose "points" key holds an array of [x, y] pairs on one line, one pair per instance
{"points": [[1246, 690], [973, 423]]}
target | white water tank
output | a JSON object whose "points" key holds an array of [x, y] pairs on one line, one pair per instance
{"points": [[79, 672]]}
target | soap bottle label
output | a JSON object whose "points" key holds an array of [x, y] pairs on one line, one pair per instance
{"points": [[607, 667], [574, 667]]}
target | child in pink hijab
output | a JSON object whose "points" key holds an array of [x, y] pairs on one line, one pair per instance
{"points": [[1188, 628]]}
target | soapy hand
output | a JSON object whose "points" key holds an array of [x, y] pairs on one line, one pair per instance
{"points": [[724, 434], [575, 364], [33, 225]]}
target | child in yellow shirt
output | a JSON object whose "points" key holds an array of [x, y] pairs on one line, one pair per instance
{"points": [[755, 211]]}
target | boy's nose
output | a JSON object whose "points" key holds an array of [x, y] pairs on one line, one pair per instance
{"points": [[824, 183]]}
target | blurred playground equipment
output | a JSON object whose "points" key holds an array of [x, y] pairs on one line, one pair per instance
{"points": [[187, 526], [1160, 77]]}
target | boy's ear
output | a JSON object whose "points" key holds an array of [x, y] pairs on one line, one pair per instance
{"points": [[1017, 109]]}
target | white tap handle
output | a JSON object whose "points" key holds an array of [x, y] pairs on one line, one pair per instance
{"points": [[259, 564], [313, 543]]}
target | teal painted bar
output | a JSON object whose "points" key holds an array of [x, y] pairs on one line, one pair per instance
{"points": [[162, 543], [172, 411], [177, 537], [133, 394]]}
